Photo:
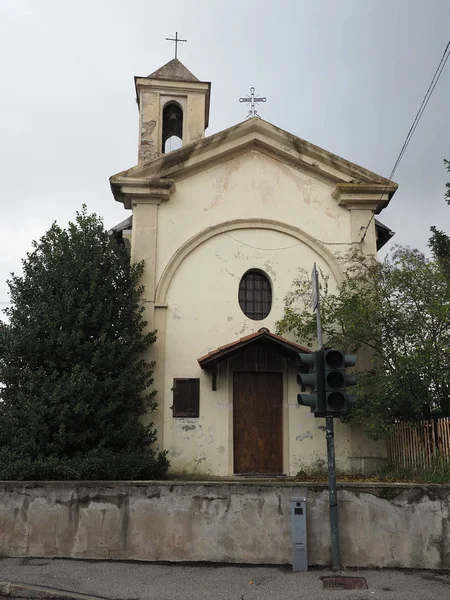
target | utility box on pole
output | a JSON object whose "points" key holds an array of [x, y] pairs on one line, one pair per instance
{"points": [[298, 524]]}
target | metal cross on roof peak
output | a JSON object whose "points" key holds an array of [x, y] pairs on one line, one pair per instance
{"points": [[254, 101], [177, 41]]}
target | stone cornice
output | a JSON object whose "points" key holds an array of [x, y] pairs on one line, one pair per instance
{"points": [[141, 191], [171, 86], [254, 134], [174, 87], [354, 187], [364, 196]]}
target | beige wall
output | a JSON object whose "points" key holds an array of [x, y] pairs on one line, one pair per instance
{"points": [[381, 525], [203, 313], [249, 212], [248, 187], [154, 94]]}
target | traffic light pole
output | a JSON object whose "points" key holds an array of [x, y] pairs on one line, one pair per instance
{"points": [[334, 522], [331, 457], [316, 304]]}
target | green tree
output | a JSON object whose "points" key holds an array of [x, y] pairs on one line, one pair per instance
{"points": [[439, 241], [447, 185], [396, 314], [75, 385]]}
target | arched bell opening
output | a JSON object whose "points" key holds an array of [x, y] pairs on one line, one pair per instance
{"points": [[172, 130]]}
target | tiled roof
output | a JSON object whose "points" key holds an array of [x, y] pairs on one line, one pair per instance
{"points": [[222, 351]]}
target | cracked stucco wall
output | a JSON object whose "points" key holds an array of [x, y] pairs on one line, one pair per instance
{"points": [[236, 522], [149, 137], [248, 186], [203, 312], [152, 101]]}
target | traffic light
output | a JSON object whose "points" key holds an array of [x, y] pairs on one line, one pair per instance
{"points": [[314, 380], [337, 380]]}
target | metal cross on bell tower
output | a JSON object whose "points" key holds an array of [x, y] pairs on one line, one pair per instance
{"points": [[177, 41], [253, 102]]}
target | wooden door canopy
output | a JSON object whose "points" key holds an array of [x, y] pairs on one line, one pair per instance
{"points": [[279, 344]]}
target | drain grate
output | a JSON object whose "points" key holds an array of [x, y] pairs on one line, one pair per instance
{"points": [[344, 583]]}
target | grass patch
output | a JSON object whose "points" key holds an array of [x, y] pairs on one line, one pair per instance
{"points": [[438, 472]]}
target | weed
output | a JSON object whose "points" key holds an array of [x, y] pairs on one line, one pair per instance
{"points": [[437, 472]]}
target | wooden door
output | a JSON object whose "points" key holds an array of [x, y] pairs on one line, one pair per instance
{"points": [[257, 422]]}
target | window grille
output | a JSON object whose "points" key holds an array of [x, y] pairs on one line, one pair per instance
{"points": [[255, 295]]}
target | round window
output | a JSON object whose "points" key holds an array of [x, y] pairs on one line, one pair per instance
{"points": [[255, 295]]}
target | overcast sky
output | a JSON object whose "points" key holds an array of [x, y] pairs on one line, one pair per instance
{"points": [[348, 76]]}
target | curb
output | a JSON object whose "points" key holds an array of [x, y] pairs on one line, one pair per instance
{"points": [[10, 589]]}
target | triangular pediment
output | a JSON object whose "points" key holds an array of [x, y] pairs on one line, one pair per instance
{"points": [[259, 135]]}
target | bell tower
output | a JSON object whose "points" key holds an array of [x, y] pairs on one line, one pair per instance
{"points": [[173, 109]]}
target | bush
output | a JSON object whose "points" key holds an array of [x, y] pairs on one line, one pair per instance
{"points": [[76, 385]]}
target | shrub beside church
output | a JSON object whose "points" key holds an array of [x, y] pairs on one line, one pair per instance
{"points": [[75, 385]]}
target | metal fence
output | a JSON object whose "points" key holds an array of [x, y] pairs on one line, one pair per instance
{"points": [[417, 444]]}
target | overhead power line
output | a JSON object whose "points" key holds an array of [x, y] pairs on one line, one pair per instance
{"points": [[415, 123], [436, 77]]}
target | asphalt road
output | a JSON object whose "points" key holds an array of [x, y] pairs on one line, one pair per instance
{"points": [[147, 581]]}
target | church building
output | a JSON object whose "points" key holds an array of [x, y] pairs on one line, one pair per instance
{"points": [[223, 224]]}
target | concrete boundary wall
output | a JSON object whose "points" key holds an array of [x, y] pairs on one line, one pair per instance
{"points": [[382, 525]]}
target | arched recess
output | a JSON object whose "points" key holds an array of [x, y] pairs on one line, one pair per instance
{"points": [[172, 123], [210, 232]]}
